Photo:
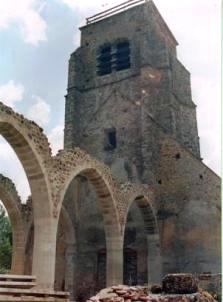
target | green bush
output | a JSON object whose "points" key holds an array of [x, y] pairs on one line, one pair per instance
{"points": [[5, 241]]}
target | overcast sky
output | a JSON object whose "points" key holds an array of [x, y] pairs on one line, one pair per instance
{"points": [[37, 37]]}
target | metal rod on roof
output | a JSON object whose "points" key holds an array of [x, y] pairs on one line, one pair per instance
{"points": [[112, 10]]}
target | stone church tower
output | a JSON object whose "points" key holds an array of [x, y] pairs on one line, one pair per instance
{"points": [[125, 85], [129, 104]]}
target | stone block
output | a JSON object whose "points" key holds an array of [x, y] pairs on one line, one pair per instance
{"points": [[180, 284]]}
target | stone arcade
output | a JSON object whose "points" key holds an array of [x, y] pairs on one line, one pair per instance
{"points": [[128, 199]]}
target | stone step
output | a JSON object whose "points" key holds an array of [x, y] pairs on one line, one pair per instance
{"points": [[32, 295], [7, 277], [17, 284], [32, 299]]}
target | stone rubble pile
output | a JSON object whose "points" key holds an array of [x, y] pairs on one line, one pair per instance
{"points": [[121, 293], [179, 287]]}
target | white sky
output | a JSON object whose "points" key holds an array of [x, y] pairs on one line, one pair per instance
{"points": [[37, 36]]}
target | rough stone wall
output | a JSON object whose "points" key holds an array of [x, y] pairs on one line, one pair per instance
{"points": [[184, 110], [97, 114], [189, 211], [211, 283]]}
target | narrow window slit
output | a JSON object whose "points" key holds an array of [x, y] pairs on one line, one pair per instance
{"points": [[110, 139]]}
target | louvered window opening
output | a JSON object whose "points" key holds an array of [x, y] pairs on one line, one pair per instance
{"points": [[122, 56], [113, 58], [104, 61]]}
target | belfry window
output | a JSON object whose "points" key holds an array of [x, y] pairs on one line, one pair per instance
{"points": [[113, 57], [110, 139], [104, 60], [122, 56]]}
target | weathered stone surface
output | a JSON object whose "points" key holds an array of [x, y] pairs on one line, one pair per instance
{"points": [[179, 284], [211, 283], [156, 289]]}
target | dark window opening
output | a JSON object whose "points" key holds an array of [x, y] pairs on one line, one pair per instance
{"points": [[110, 139], [115, 57], [104, 61], [201, 176], [177, 156], [160, 182], [122, 56]]}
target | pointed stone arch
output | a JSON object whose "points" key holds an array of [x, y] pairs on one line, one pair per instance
{"points": [[32, 148], [143, 197], [11, 200], [68, 165]]}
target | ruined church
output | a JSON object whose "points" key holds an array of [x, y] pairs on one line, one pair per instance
{"points": [[128, 199]]}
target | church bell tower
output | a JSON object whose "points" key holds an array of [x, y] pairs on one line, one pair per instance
{"points": [[125, 87]]}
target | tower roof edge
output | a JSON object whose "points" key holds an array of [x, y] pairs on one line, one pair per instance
{"points": [[161, 19]]}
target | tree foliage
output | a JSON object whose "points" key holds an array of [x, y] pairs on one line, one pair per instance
{"points": [[5, 241]]}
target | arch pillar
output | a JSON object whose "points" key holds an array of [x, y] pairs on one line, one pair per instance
{"points": [[114, 266], [154, 259], [18, 253], [71, 260], [44, 252]]}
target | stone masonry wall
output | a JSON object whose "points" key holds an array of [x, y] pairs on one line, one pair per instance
{"points": [[189, 212]]}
